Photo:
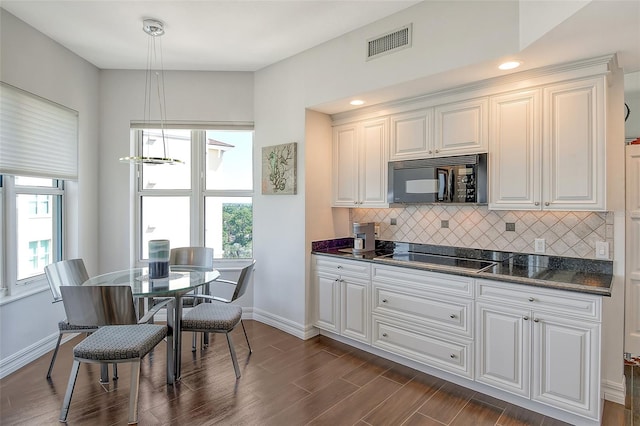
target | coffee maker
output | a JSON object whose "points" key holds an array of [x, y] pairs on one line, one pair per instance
{"points": [[364, 238]]}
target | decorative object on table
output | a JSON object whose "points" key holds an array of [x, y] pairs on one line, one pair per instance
{"points": [[279, 169], [154, 84], [159, 259]]}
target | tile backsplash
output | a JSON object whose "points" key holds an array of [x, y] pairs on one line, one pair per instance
{"points": [[571, 234]]}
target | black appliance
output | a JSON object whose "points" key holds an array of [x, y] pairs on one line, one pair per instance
{"points": [[456, 179]]}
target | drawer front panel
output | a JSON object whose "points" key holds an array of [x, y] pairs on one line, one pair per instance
{"points": [[446, 284], [447, 315], [452, 355], [539, 299], [343, 267]]}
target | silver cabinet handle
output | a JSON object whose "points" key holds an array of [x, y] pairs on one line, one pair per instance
{"points": [[531, 299], [452, 316], [536, 320], [384, 300], [452, 356], [384, 334], [547, 203], [537, 203]]}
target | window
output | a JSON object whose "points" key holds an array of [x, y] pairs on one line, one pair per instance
{"points": [[207, 201], [33, 229]]}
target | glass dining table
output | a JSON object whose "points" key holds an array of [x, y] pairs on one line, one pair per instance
{"points": [[181, 280]]}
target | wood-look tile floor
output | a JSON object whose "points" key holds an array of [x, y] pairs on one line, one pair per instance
{"points": [[286, 381]]}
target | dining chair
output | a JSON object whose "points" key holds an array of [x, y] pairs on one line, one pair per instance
{"points": [[119, 336], [193, 257], [65, 272], [240, 287]]}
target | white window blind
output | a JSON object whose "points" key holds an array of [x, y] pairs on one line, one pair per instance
{"points": [[38, 138]]}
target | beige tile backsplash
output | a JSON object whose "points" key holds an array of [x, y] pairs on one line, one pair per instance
{"points": [[571, 234]]}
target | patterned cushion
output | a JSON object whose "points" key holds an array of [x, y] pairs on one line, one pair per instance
{"points": [[116, 342], [212, 317], [65, 326]]}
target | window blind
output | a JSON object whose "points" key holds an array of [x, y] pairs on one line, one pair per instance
{"points": [[38, 137]]}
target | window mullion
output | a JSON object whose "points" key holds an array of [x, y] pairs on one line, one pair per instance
{"points": [[198, 140]]}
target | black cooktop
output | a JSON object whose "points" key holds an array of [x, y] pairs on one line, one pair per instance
{"points": [[434, 259]]}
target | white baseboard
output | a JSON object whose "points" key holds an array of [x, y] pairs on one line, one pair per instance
{"points": [[613, 391], [285, 325], [16, 361]]}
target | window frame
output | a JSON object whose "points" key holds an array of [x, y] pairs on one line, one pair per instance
{"points": [[197, 193], [10, 285]]}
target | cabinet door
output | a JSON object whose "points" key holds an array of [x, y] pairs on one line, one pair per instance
{"points": [[574, 151], [515, 151], [355, 309], [374, 145], [566, 364], [345, 165], [504, 348], [327, 303], [411, 135], [462, 127]]}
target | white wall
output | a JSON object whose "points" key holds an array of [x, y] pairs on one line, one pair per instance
{"points": [[33, 62], [206, 97]]}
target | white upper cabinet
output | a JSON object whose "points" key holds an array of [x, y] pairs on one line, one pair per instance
{"points": [[547, 149], [574, 161], [456, 128], [462, 127], [411, 135], [360, 155], [515, 151]]}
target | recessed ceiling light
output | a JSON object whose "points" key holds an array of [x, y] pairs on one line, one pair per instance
{"points": [[509, 65], [357, 102]]}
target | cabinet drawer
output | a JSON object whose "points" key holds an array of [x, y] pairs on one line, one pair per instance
{"points": [[352, 268], [447, 315], [554, 301], [438, 351], [445, 284]]}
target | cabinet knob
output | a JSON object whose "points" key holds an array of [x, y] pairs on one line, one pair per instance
{"points": [[355, 203], [384, 334], [339, 266], [437, 151], [531, 299], [536, 320], [537, 203], [384, 300], [430, 152], [546, 203], [452, 316], [452, 356], [526, 318]]}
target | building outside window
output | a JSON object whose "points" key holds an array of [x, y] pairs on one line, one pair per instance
{"points": [[207, 201]]}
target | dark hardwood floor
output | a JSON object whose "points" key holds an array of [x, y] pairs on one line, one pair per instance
{"points": [[286, 381]]}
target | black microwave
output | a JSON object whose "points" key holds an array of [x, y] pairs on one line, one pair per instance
{"points": [[456, 179]]}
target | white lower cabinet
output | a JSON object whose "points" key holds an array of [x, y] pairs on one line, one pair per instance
{"points": [[540, 344], [551, 355], [424, 316], [341, 291]]}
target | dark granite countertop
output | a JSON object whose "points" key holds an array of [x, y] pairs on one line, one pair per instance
{"points": [[581, 275]]}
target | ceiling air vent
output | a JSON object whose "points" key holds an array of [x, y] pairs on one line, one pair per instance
{"points": [[390, 42]]}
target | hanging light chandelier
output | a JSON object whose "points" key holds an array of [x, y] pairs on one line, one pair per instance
{"points": [[154, 81]]}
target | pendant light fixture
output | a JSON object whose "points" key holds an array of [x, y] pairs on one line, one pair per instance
{"points": [[154, 82]]}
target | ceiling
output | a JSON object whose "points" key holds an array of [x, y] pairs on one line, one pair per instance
{"points": [[202, 35], [247, 35]]}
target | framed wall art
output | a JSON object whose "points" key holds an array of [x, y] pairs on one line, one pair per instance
{"points": [[279, 169]]}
